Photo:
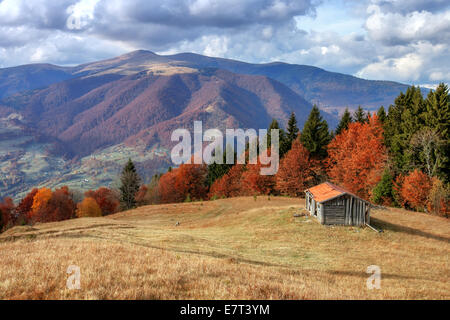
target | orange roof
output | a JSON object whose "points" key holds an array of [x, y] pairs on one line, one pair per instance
{"points": [[326, 191]]}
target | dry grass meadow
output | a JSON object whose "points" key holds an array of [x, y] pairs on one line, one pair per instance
{"points": [[227, 249]]}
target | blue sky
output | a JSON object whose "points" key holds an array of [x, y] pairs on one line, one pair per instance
{"points": [[401, 40]]}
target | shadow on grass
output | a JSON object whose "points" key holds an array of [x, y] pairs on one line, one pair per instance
{"points": [[365, 275], [377, 223]]}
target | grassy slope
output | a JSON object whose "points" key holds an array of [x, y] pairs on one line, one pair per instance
{"points": [[226, 249]]}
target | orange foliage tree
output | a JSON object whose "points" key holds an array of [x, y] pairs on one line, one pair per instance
{"points": [[107, 200], [357, 156], [415, 189], [52, 206], [295, 172], [88, 208]]}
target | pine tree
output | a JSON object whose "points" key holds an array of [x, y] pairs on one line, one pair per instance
{"points": [[315, 135], [360, 115], [346, 119], [381, 114], [130, 182], [292, 130]]}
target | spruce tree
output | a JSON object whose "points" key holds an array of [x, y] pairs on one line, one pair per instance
{"points": [[130, 183], [315, 135], [282, 137], [292, 130], [437, 117], [360, 115], [218, 170], [381, 114], [346, 119]]}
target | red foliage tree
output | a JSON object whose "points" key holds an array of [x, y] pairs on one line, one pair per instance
{"points": [[188, 180], [6, 213], [141, 196], [107, 200], [24, 209], [295, 173], [253, 182], [415, 189], [357, 156], [228, 185]]}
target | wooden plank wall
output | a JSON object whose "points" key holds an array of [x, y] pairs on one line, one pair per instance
{"points": [[345, 210]]}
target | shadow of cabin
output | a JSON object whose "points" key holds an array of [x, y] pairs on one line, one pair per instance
{"points": [[333, 205]]}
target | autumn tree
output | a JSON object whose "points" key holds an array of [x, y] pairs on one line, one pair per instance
{"points": [[315, 135], [88, 208], [51, 206], [230, 184], [253, 182], [188, 180], [415, 189], [40, 201], [294, 174], [439, 198], [130, 182], [166, 188], [6, 213], [24, 209], [191, 180], [141, 196], [107, 200], [357, 156]]}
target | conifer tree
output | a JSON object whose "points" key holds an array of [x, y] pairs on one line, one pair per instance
{"points": [[292, 130], [282, 137], [360, 115], [346, 119], [130, 182], [437, 117], [381, 114], [315, 135]]}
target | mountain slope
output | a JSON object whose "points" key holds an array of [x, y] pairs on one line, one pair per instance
{"points": [[92, 117]]}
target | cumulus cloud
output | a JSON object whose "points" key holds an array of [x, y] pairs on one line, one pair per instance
{"points": [[403, 40]]}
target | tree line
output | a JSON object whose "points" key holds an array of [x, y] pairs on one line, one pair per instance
{"points": [[394, 158]]}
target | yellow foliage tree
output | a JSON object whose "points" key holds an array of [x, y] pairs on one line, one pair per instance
{"points": [[88, 208]]}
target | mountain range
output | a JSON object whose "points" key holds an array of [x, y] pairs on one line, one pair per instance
{"points": [[77, 125]]}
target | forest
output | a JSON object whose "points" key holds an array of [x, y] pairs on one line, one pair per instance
{"points": [[396, 157]]}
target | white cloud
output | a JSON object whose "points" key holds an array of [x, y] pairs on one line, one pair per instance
{"points": [[401, 40]]}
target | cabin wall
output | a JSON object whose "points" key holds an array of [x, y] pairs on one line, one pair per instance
{"points": [[345, 210]]}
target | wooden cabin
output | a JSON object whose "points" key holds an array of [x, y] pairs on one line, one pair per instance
{"points": [[331, 204]]}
